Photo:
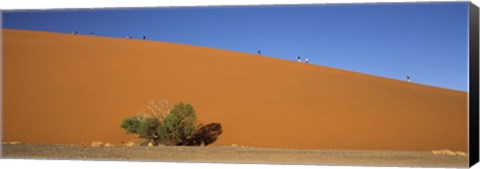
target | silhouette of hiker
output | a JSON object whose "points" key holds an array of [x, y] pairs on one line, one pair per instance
{"points": [[144, 37], [306, 60], [408, 79], [299, 59], [259, 52]]}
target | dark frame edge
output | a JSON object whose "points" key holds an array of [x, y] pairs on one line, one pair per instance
{"points": [[473, 145]]}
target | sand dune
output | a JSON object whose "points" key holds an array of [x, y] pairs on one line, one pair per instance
{"points": [[73, 89]]}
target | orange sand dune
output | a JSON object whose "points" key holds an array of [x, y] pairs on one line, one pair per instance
{"points": [[73, 89]]}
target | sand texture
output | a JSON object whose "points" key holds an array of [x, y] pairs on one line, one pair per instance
{"points": [[74, 89], [228, 154]]}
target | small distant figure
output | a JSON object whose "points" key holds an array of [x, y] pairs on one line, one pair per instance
{"points": [[144, 37], [259, 52], [92, 33], [306, 60], [74, 32], [299, 59], [129, 37], [408, 79]]}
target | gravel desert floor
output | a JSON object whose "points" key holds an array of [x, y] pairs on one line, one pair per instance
{"points": [[231, 154]]}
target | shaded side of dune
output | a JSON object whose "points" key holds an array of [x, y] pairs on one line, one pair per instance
{"points": [[73, 89]]}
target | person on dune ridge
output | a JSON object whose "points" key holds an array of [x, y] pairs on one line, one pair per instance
{"points": [[408, 79]]}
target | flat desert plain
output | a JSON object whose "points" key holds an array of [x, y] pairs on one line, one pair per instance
{"points": [[75, 89], [235, 154]]}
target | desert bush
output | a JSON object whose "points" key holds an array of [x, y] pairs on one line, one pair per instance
{"points": [[131, 124], [145, 127], [148, 129], [178, 125], [204, 135], [163, 124]]}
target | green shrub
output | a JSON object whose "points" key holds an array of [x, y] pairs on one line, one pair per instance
{"points": [[131, 125], [148, 129], [175, 127]]}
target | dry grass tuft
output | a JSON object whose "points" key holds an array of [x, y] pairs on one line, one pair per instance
{"points": [[130, 144], [101, 144], [448, 152], [13, 142], [96, 144], [156, 108]]}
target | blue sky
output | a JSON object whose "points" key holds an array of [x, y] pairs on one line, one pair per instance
{"points": [[427, 41]]}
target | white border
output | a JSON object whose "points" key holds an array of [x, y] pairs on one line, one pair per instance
{"points": [[75, 164], [69, 4]]}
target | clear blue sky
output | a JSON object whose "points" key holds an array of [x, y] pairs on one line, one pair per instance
{"points": [[427, 41]]}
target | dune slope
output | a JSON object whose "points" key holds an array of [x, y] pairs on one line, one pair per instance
{"points": [[74, 89]]}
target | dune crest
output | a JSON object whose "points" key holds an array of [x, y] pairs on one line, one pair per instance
{"points": [[73, 89]]}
